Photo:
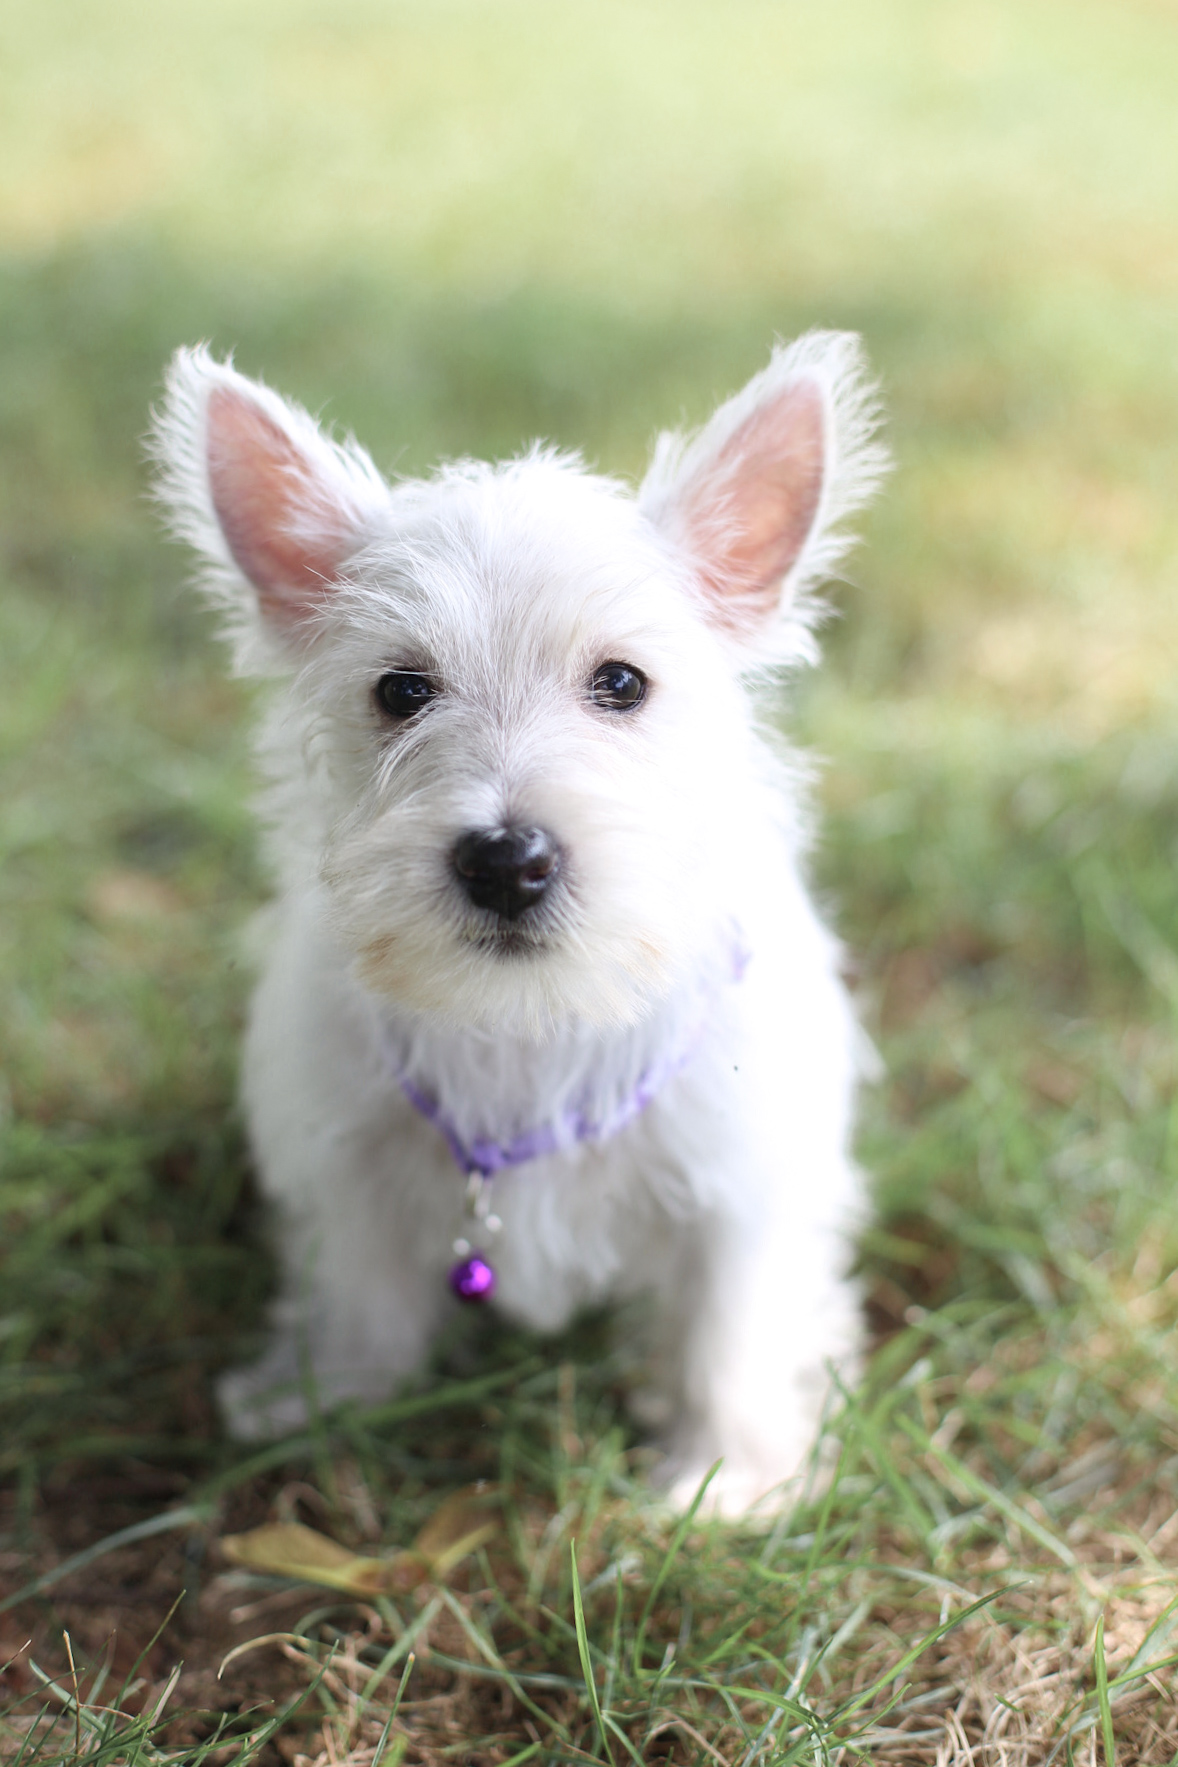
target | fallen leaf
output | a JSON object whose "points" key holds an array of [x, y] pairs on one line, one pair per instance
{"points": [[288, 1549], [459, 1526]]}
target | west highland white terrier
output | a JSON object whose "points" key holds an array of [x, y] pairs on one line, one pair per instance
{"points": [[547, 1016]]}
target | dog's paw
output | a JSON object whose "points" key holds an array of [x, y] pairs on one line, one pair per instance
{"points": [[287, 1387], [256, 1410], [262, 1401], [736, 1491], [752, 1488]]}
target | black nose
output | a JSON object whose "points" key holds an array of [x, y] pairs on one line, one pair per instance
{"points": [[506, 869]]}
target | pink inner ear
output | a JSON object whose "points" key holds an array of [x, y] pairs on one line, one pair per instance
{"points": [[749, 522], [274, 513]]}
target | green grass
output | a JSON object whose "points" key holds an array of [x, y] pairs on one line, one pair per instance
{"points": [[452, 226]]}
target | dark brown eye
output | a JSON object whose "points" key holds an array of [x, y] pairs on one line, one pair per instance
{"points": [[402, 694], [619, 686]]}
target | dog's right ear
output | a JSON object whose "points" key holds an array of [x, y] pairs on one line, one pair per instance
{"points": [[263, 495]]}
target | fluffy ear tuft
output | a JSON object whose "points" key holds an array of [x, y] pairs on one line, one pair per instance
{"points": [[262, 494], [754, 500]]}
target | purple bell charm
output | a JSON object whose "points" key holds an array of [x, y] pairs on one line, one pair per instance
{"points": [[473, 1279]]}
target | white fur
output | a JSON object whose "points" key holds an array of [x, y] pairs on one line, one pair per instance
{"points": [[727, 1200]]}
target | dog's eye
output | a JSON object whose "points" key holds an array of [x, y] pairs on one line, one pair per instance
{"points": [[401, 694], [619, 686]]}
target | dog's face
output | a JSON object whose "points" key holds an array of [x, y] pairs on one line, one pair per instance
{"points": [[515, 733], [527, 715]]}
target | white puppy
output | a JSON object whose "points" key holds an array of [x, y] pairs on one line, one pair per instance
{"points": [[546, 1010]]}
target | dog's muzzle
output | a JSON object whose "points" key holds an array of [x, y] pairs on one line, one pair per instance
{"points": [[506, 870]]}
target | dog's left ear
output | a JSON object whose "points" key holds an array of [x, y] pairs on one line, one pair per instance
{"points": [[754, 500]]}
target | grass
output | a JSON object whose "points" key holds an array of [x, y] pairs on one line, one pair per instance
{"points": [[453, 226]]}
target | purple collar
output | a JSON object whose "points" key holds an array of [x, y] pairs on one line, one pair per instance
{"points": [[484, 1158], [567, 1130]]}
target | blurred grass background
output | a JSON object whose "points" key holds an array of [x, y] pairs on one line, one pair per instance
{"points": [[456, 224]]}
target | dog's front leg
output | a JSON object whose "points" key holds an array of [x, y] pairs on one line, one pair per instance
{"points": [[363, 1294], [768, 1317]]}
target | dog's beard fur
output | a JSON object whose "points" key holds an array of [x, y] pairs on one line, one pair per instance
{"points": [[417, 943], [609, 940]]}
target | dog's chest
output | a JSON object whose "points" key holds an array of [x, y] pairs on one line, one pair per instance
{"points": [[501, 1102]]}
